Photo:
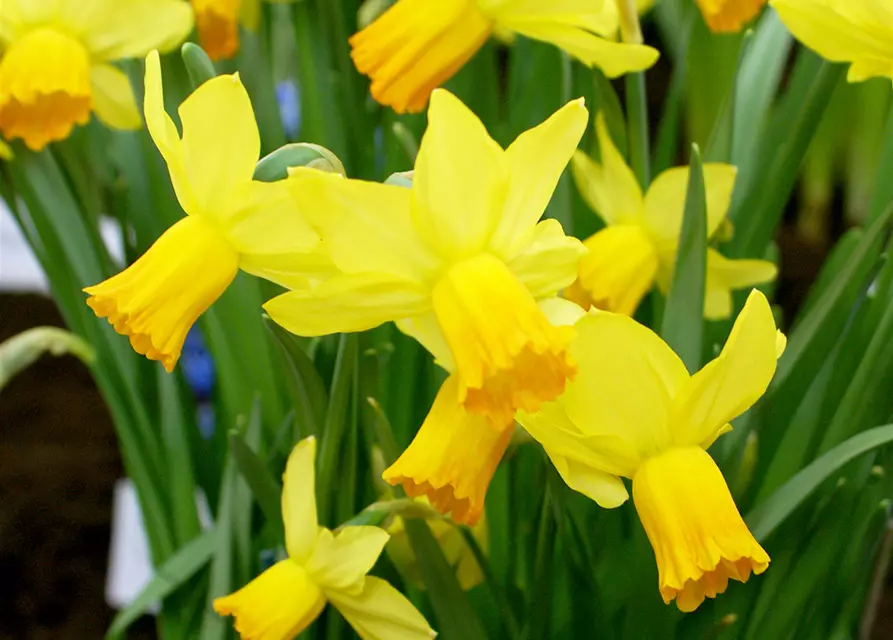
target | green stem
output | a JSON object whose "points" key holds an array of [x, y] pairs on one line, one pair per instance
{"points": [[637, 127]]}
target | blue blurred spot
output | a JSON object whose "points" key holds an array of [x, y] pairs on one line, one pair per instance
{"points": [[288, 95], [197, 365]]}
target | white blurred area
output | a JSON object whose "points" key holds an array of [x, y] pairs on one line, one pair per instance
{"points": [[19, 269]]}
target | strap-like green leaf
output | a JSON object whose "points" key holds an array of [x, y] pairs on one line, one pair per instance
{"points": [[179, 568], [262, 484], [766, 516], [683, 323]]}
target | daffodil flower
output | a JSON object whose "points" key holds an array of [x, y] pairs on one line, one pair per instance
{"points": [[417, 45], [458, 260], [217, 23], [634, 411], [729, 16], [856, 31], [321, 567], [638, 247], [233, 221], [55, 67]]}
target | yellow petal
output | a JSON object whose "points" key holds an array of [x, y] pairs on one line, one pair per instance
{"points": [[164, 134], [507, 354], [452, 457], [698, 536], [221, 143], [724, 276], [549, 261], [729, 16], [572, 25], [856, 32], [415, 46], [591, 453], [277, 605], [665, 201], [158, 298], [212, 166], [426, 330], [626, 380], [610, 187], [367, 225], [299, 500], [381, 612], [340, 562], [727, 386], [536, 160], [113, 99], [44, 87], [117, 29], [461, 180], [347, 303], [217, 23], [269, 223], [618, 271], [606, 490]]}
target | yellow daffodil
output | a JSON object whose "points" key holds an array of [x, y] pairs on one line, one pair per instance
{"points": [[729, 16], [321, 567], [638, 247], [452, 543], [856, 31], [417, 45], [217, 23], [233, 221], [634, 411], [55, 67], [458, 260]]}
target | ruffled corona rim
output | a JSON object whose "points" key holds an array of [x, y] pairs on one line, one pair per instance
{"points": [[508, 356], [452, 458], [416, 46], [700, 540], [158, 298], [45, 87]]}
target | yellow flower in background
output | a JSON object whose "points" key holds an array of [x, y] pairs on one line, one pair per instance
{"points": [[217, 23], [455, 549], [321, 567], [5, 151], [458, 260], [55, 66], [417, 45], [729, 16], [856, 31], [634, 411], [638, 247], [233, 221]]}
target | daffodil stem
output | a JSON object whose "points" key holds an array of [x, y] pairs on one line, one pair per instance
{"points": [[637, 127], [505, 606]]}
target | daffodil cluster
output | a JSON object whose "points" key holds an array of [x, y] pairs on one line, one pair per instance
{"points": [[530, 323]]}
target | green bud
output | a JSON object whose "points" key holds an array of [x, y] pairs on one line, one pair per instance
{"points": [[275, 166], [198, 64]]}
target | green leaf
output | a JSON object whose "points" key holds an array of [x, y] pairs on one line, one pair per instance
{"points": [[20, 351], [683, 322], [308, 391], [883, 187], [175, 571], [766, 516], [263, 486], [198, 64], [335, 422], [637, 127], [764, 193], [456, 620]]}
